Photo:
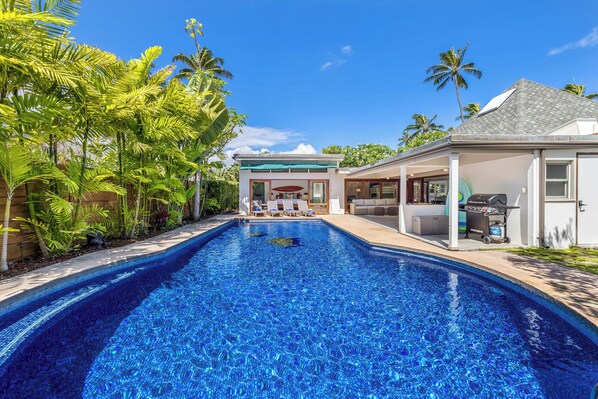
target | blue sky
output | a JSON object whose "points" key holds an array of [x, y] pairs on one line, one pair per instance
{"points": [[313, 73]]}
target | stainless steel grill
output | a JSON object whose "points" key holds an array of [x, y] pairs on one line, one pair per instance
{"points": [[487, 216]]}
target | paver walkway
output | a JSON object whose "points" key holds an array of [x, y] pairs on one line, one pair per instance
{"points": [[575, 288]]}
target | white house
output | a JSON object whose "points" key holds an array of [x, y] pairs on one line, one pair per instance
{"points": [[536, 144], [315, 178]]}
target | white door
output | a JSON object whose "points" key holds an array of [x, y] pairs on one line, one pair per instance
{"points": [[587, 200]]}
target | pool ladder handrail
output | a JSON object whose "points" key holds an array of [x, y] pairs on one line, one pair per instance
{"points": [[594, 393]]}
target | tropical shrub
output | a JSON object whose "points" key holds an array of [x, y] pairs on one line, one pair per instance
{"points": [[78, 121], [221, 196]]}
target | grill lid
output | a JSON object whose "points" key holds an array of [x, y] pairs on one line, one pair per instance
{"points": [[488, 199]]}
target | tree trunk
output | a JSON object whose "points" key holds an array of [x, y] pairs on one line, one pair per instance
{"points": [[79, 199], [137, 206], [4, 256], [121, 199], [459, 101], [38, 234], [197, 197], [137, 202]]}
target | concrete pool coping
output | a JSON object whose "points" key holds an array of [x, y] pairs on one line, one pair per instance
{"points": [[573, 288]]}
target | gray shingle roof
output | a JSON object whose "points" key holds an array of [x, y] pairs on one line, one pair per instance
{"points": [[533, 109]]}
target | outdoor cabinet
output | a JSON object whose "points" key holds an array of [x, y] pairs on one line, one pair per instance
{"points": [[430, 224]]}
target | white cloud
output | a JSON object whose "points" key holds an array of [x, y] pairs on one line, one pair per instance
{"points": [[332, 64], [301, 148], [326, 65], [335, 61], [262, 137], [589, 40], [255, 140]]}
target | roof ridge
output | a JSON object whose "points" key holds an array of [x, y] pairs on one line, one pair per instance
{"points": [[520, 104]]}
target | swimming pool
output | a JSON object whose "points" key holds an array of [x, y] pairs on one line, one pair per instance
{"points": [[294, 309]]}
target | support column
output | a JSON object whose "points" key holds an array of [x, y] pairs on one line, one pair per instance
{"points": [[454, 201], [533, 201], [403, 199]]}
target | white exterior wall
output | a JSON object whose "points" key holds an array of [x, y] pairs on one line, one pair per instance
{"points": [[560, 228], [336, 183], [505, 176]]}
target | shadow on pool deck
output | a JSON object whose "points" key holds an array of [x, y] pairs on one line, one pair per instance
{"points": [[573, 284]]}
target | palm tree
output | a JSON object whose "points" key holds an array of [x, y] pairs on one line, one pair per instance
{"points": [[202, 61], [405, 139], [16, 170], [579, 90], [422, 124], [471, 109], [452, 64]]}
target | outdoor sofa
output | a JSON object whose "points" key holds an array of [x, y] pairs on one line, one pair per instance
{"points": [[389, 206]]}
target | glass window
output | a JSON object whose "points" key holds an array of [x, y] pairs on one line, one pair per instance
{"points": [[557, 179], [353, 190], [437, 190], [374, 190], [260, 191], [389, 189], [417, 190], [318, 192]]}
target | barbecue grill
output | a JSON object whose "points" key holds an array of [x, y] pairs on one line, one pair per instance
{"points": [[487, 214]]}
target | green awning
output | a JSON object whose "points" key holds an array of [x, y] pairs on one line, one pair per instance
{"points": [[280, 166]]}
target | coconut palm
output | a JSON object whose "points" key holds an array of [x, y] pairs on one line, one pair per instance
{"points": [[204, 61], [452, 65], [579, 90], [421, 124], [471, 109], [405, 139]]}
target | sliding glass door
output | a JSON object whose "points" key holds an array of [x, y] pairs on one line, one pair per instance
{"points": [[260, 190], [318, 196]]}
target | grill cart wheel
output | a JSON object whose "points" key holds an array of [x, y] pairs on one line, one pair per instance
{"points": [[507, 240], [486, 240]]}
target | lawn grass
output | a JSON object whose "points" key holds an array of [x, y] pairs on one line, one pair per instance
{"points": [[585, 259]]}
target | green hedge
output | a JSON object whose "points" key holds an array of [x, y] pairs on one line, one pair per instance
{"points": [[220, 196]]}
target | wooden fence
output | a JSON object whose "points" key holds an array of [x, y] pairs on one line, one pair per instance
{"points": [[21, 244]]}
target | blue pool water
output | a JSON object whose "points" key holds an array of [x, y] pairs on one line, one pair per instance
{"points": [[326, 316]]}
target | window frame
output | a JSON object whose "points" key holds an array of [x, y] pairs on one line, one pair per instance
{"points": [[568, 180]]}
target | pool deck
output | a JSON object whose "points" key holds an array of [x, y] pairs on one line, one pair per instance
{"points": [[576, 289]]}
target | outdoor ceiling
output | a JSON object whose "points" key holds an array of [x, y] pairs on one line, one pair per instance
{"points": [[432, 166]]}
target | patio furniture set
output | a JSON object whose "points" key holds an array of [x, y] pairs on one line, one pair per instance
{"points": [[287, 209]]}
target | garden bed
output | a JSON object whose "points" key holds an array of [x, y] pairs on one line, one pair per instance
{"points": [[33, 263]]}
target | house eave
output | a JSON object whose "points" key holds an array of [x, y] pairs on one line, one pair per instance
{"points": [[288, 157]]}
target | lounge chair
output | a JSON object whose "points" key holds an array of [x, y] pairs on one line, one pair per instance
{"points": [[305, 211], [287, 206], [335, 207], [273, 209], [256, 209]]}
